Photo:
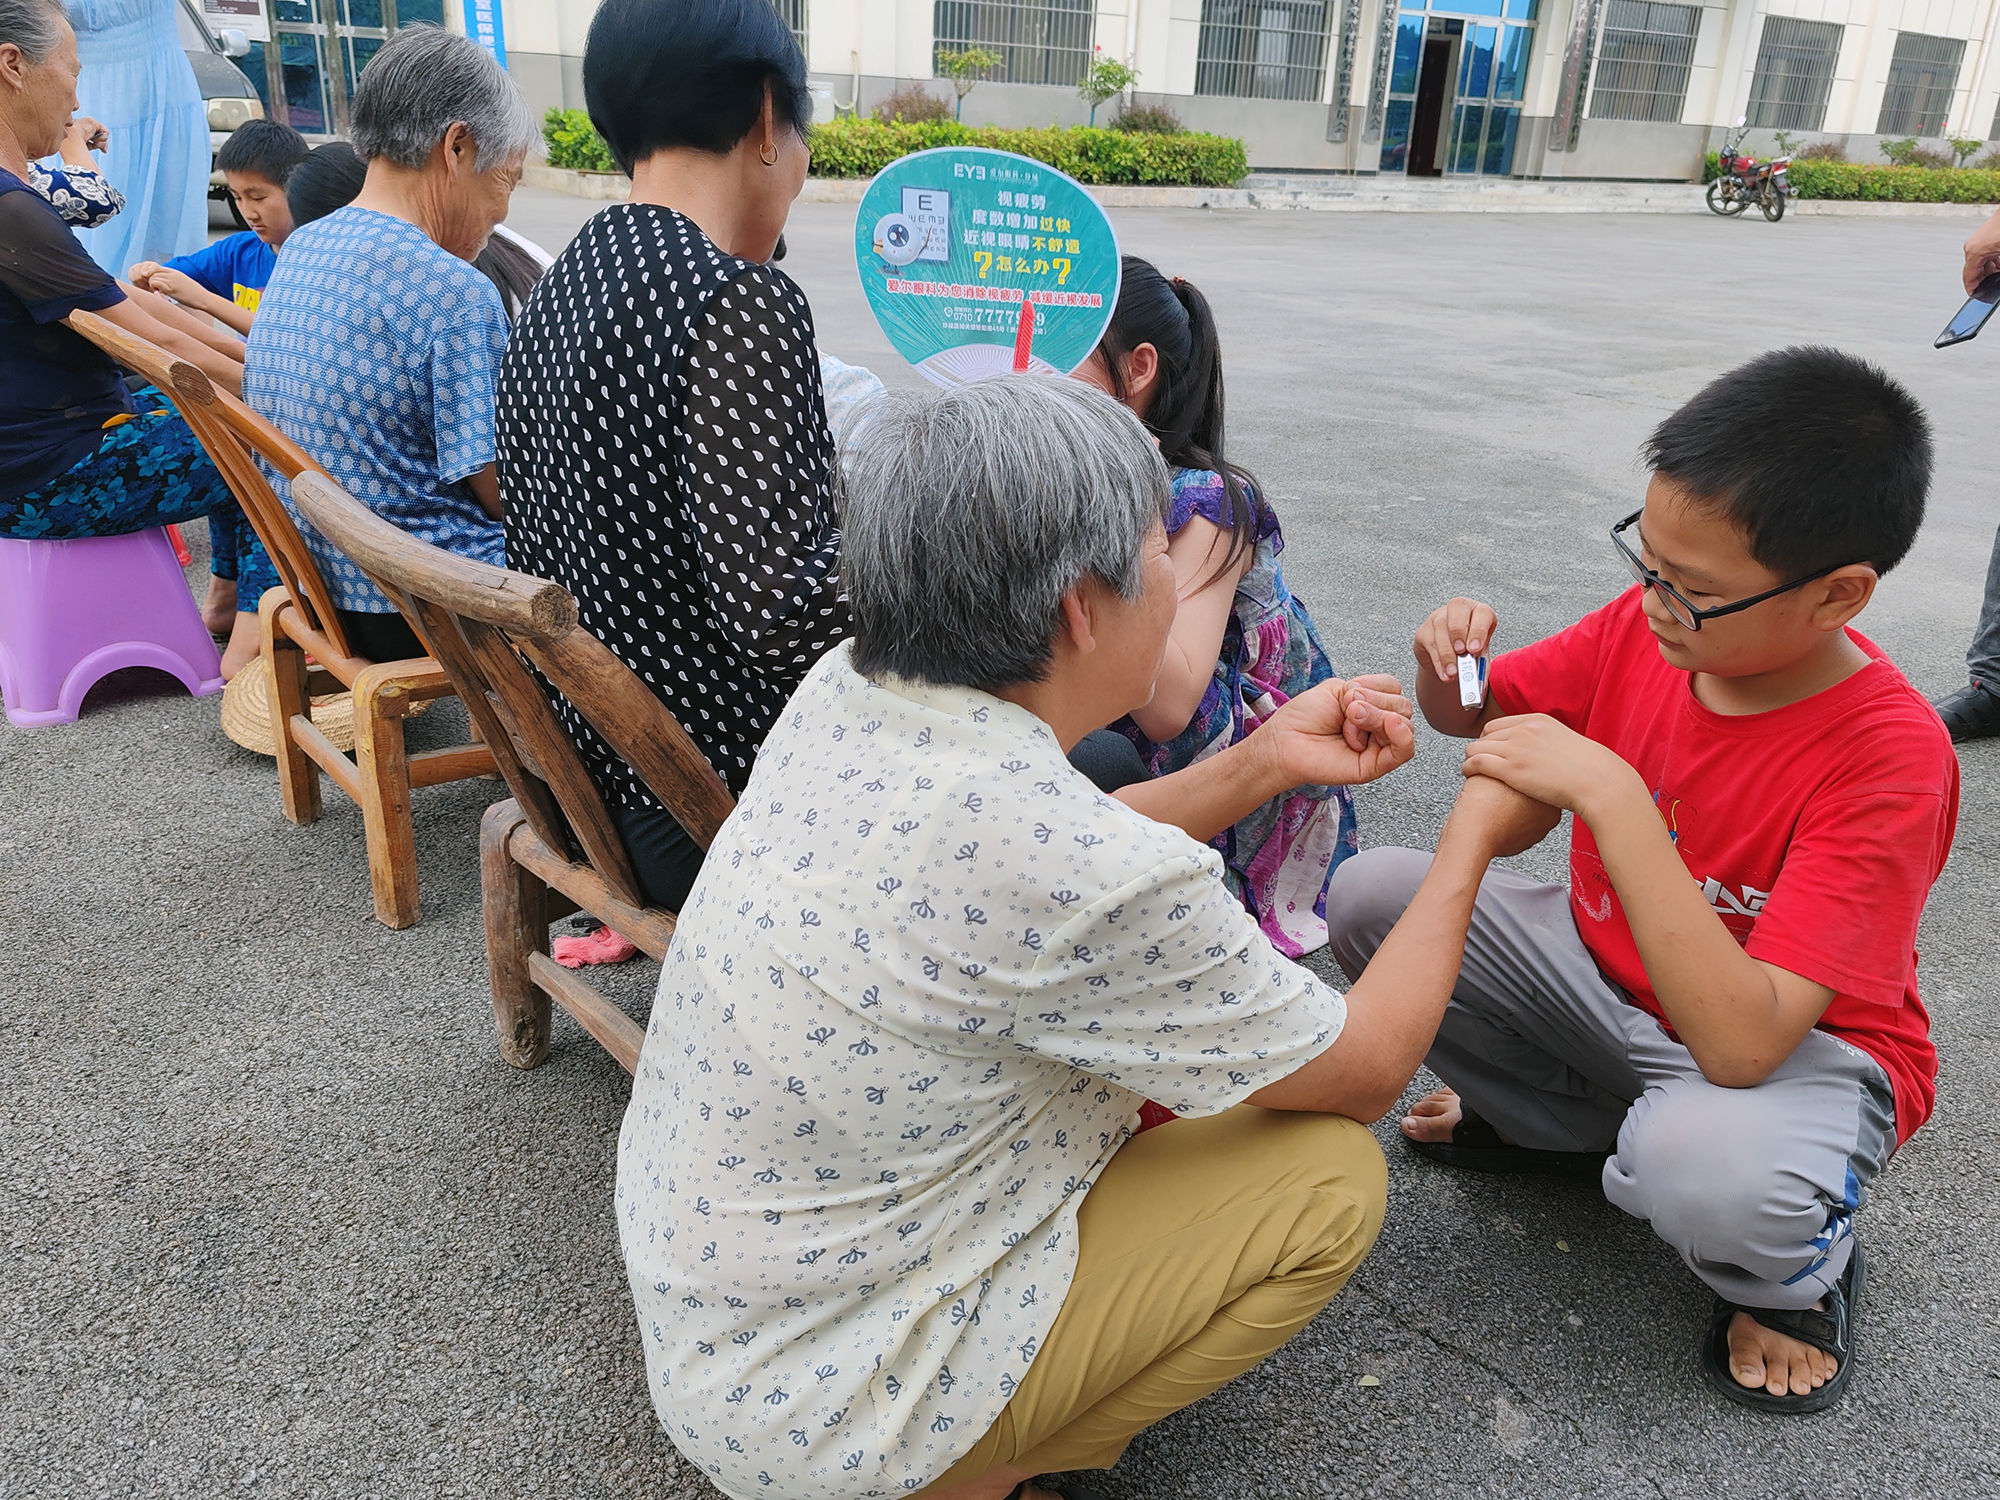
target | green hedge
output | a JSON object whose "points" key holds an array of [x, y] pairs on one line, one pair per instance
{"points": [[1865, 183], [574, 142], [861, 148], [1870, 184]]}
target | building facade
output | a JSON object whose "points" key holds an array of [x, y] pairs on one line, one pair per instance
{"points": [[1634, 89]]}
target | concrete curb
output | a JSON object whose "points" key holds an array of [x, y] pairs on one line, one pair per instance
{"points": [[606, 187], [1354, 195], [1834, 208]]}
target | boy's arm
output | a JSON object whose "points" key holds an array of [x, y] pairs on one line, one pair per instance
{"points": [[1460, 627], [1738, 1016], [195, 297], [130, 315]]}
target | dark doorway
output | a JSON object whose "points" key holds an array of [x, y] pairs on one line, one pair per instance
{"points": [[1433, 83]]}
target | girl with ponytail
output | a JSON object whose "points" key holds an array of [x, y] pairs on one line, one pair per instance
{"points": [[1241, 643]]}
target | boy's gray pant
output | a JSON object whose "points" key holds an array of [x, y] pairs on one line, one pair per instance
{"points": [[1983, 660], [1755, 1188]]}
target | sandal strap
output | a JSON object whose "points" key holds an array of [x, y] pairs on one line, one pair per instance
{"points": [[1826, 1329], [1474, 1130]]}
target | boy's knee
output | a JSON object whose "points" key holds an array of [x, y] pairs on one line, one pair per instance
{"points": [[1688, 1162], [1367, 897]]}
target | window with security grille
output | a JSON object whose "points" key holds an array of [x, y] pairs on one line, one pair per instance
{"points": [[1263, 49], [1922, 75], [1038, 41], [793, 14], [1794, 74], [1642, 65]]}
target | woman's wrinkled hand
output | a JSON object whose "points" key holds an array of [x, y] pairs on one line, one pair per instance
{"points": [[1341, 733], [88, 133], [1503, 820]]}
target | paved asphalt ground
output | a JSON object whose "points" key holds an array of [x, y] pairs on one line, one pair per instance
{"points": [[276, 1219]]}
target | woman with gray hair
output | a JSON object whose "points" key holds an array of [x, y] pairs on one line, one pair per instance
{"points": [[376, 343], [887, 1216]]}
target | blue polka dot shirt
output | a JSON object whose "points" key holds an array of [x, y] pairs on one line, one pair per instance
{"points": [[375, 350]]}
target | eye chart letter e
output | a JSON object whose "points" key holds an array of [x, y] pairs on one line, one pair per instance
{"points": [[979, 262], [929, 213]]}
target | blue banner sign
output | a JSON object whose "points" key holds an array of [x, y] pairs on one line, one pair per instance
{"points": [[484, 26]]}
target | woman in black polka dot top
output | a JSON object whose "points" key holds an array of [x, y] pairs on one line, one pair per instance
{"points": [[663, 444]]}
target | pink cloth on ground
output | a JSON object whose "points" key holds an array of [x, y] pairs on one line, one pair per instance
{"points": [[600, 947]]}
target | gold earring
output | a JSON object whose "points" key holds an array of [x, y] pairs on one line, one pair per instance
{"points": [[768, 152]]}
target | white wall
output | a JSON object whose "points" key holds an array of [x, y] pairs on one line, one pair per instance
{"points": [[886, 41]]}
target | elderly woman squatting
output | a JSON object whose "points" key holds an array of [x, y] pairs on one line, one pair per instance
{"points": [[887, 1224]]}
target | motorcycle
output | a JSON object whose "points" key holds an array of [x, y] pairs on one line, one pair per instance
{"points": [[1745, 181]]}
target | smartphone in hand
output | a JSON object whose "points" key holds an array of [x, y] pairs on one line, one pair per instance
{"points": [[1972, 317]]}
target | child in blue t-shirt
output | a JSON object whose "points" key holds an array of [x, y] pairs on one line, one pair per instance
{"points": [[225, 280]]}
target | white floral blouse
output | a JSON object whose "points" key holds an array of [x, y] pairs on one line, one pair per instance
{"points": [[925, 980]]}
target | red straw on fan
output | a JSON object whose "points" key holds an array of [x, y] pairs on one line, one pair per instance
{"points": [[181, 553], [1024, 336]]}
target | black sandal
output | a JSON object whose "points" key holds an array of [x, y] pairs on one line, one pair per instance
{"points": [[1066, 1491], [1829, 1330], [1476, 1147]]}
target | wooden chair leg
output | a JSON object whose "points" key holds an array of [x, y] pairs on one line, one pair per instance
{"points": [[382, 766], [298, 776], [517, 925]]}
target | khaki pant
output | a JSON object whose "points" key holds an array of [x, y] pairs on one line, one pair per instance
{"points": [[1204, 1246]]}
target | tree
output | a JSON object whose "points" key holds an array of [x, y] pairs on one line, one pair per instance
{"points": [[1105, 78], [1963, 147], [1788, 144], [967, 68]]}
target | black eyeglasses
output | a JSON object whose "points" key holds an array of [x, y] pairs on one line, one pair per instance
{"points": [[1677, 603]]}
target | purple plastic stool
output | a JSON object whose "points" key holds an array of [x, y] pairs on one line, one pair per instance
{"points": [[71, 612]]}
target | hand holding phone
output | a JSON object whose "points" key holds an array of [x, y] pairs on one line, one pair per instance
{"points": [[1972, 317]]}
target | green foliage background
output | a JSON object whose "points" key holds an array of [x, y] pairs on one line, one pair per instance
{"points": [[861, 148], [1862, 182], [1871, 184], [574, 142]]}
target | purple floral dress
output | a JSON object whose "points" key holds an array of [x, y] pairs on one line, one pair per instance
{"points": [[1279, 859]]}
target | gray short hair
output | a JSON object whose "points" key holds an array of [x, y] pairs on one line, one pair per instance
{"points": [[425, 81], [969, 513], [35, 26]]}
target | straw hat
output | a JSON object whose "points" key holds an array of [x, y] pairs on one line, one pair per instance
{"points": [[246, 711]]}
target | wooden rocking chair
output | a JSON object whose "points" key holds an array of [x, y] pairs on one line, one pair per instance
{"points": [[553, 848], [299, 619]]}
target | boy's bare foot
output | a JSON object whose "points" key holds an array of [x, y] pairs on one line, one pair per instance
{"points": [[218, 609], [1763, 1357], [1759, 1357]]}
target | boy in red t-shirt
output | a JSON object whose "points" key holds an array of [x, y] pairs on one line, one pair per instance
{"points": [[1719, 1017]]}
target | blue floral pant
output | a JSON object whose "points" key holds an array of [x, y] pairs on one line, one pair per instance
{"points": [[149, 470], [236, 551]]}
